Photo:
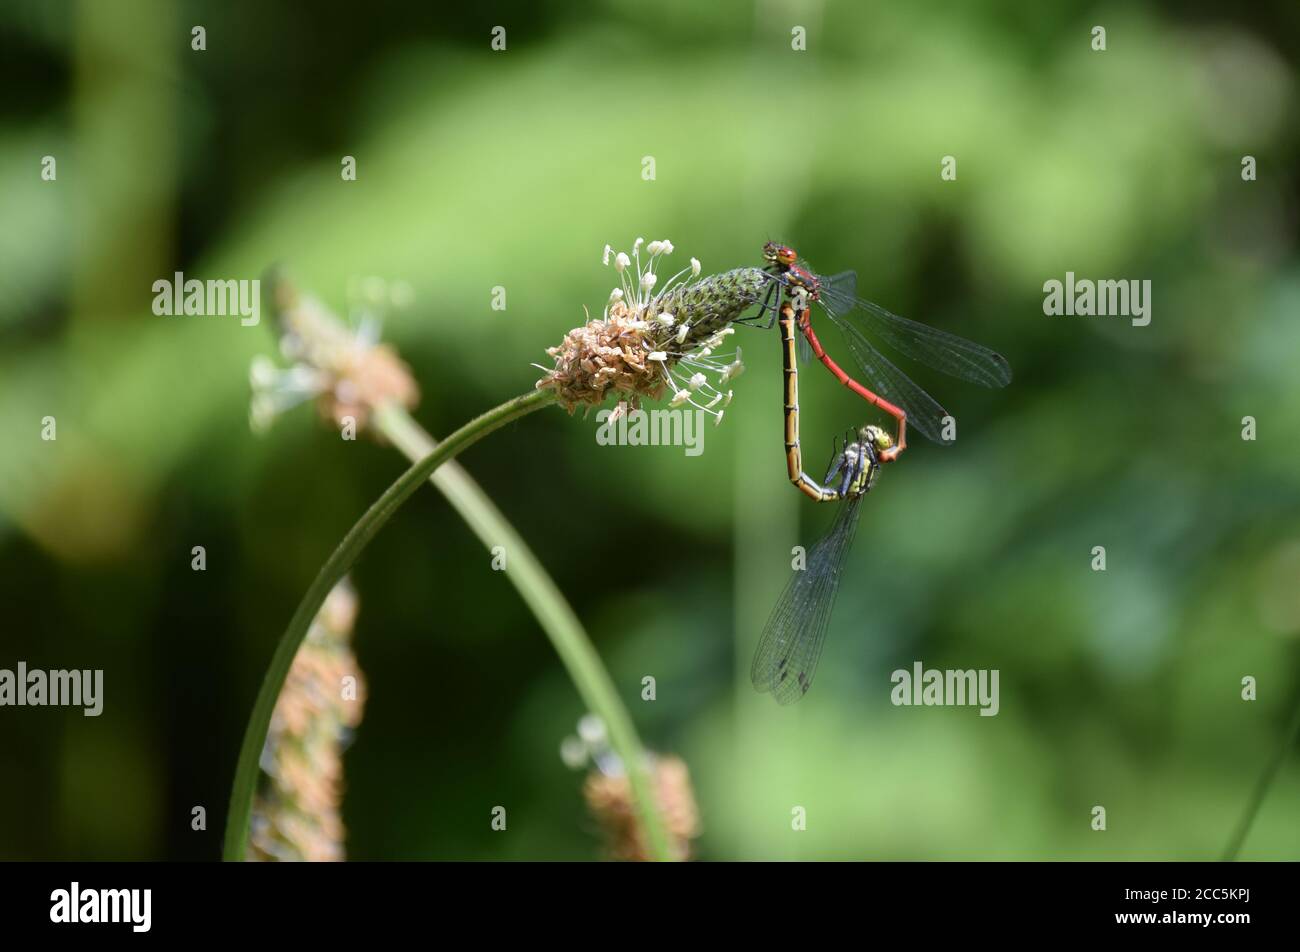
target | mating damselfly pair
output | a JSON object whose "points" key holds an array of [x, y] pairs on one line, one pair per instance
{"points": [[792, 640], [657, 336]]}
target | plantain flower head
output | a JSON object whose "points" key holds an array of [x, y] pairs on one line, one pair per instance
{"points": [[657, 337], [608, 793], [344, 368]]}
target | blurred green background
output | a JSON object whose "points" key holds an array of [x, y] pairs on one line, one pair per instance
{"points": [[479, 168]]}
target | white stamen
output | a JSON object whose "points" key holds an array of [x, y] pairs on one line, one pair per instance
{"points": [[262, 373], [574, 753], [591, 729], [291, 346], [733, 369]]}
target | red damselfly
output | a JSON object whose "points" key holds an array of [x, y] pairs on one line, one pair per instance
{"points": [[894, 392]]}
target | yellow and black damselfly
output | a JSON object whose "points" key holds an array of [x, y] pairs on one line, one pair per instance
{"points": [[792, 640]]}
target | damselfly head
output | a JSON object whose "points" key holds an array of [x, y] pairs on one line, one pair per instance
{"points": [[782, 255], [875, 437]]}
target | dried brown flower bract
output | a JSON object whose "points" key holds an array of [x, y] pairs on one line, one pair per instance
{"points": [[609, 797], [606, 355]]}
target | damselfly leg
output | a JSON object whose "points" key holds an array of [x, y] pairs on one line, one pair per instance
{"points": [[768, 309]]}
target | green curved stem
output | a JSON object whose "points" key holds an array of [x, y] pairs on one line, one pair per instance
{"points": [[549, 606], [556, 616], [246, 772]]}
